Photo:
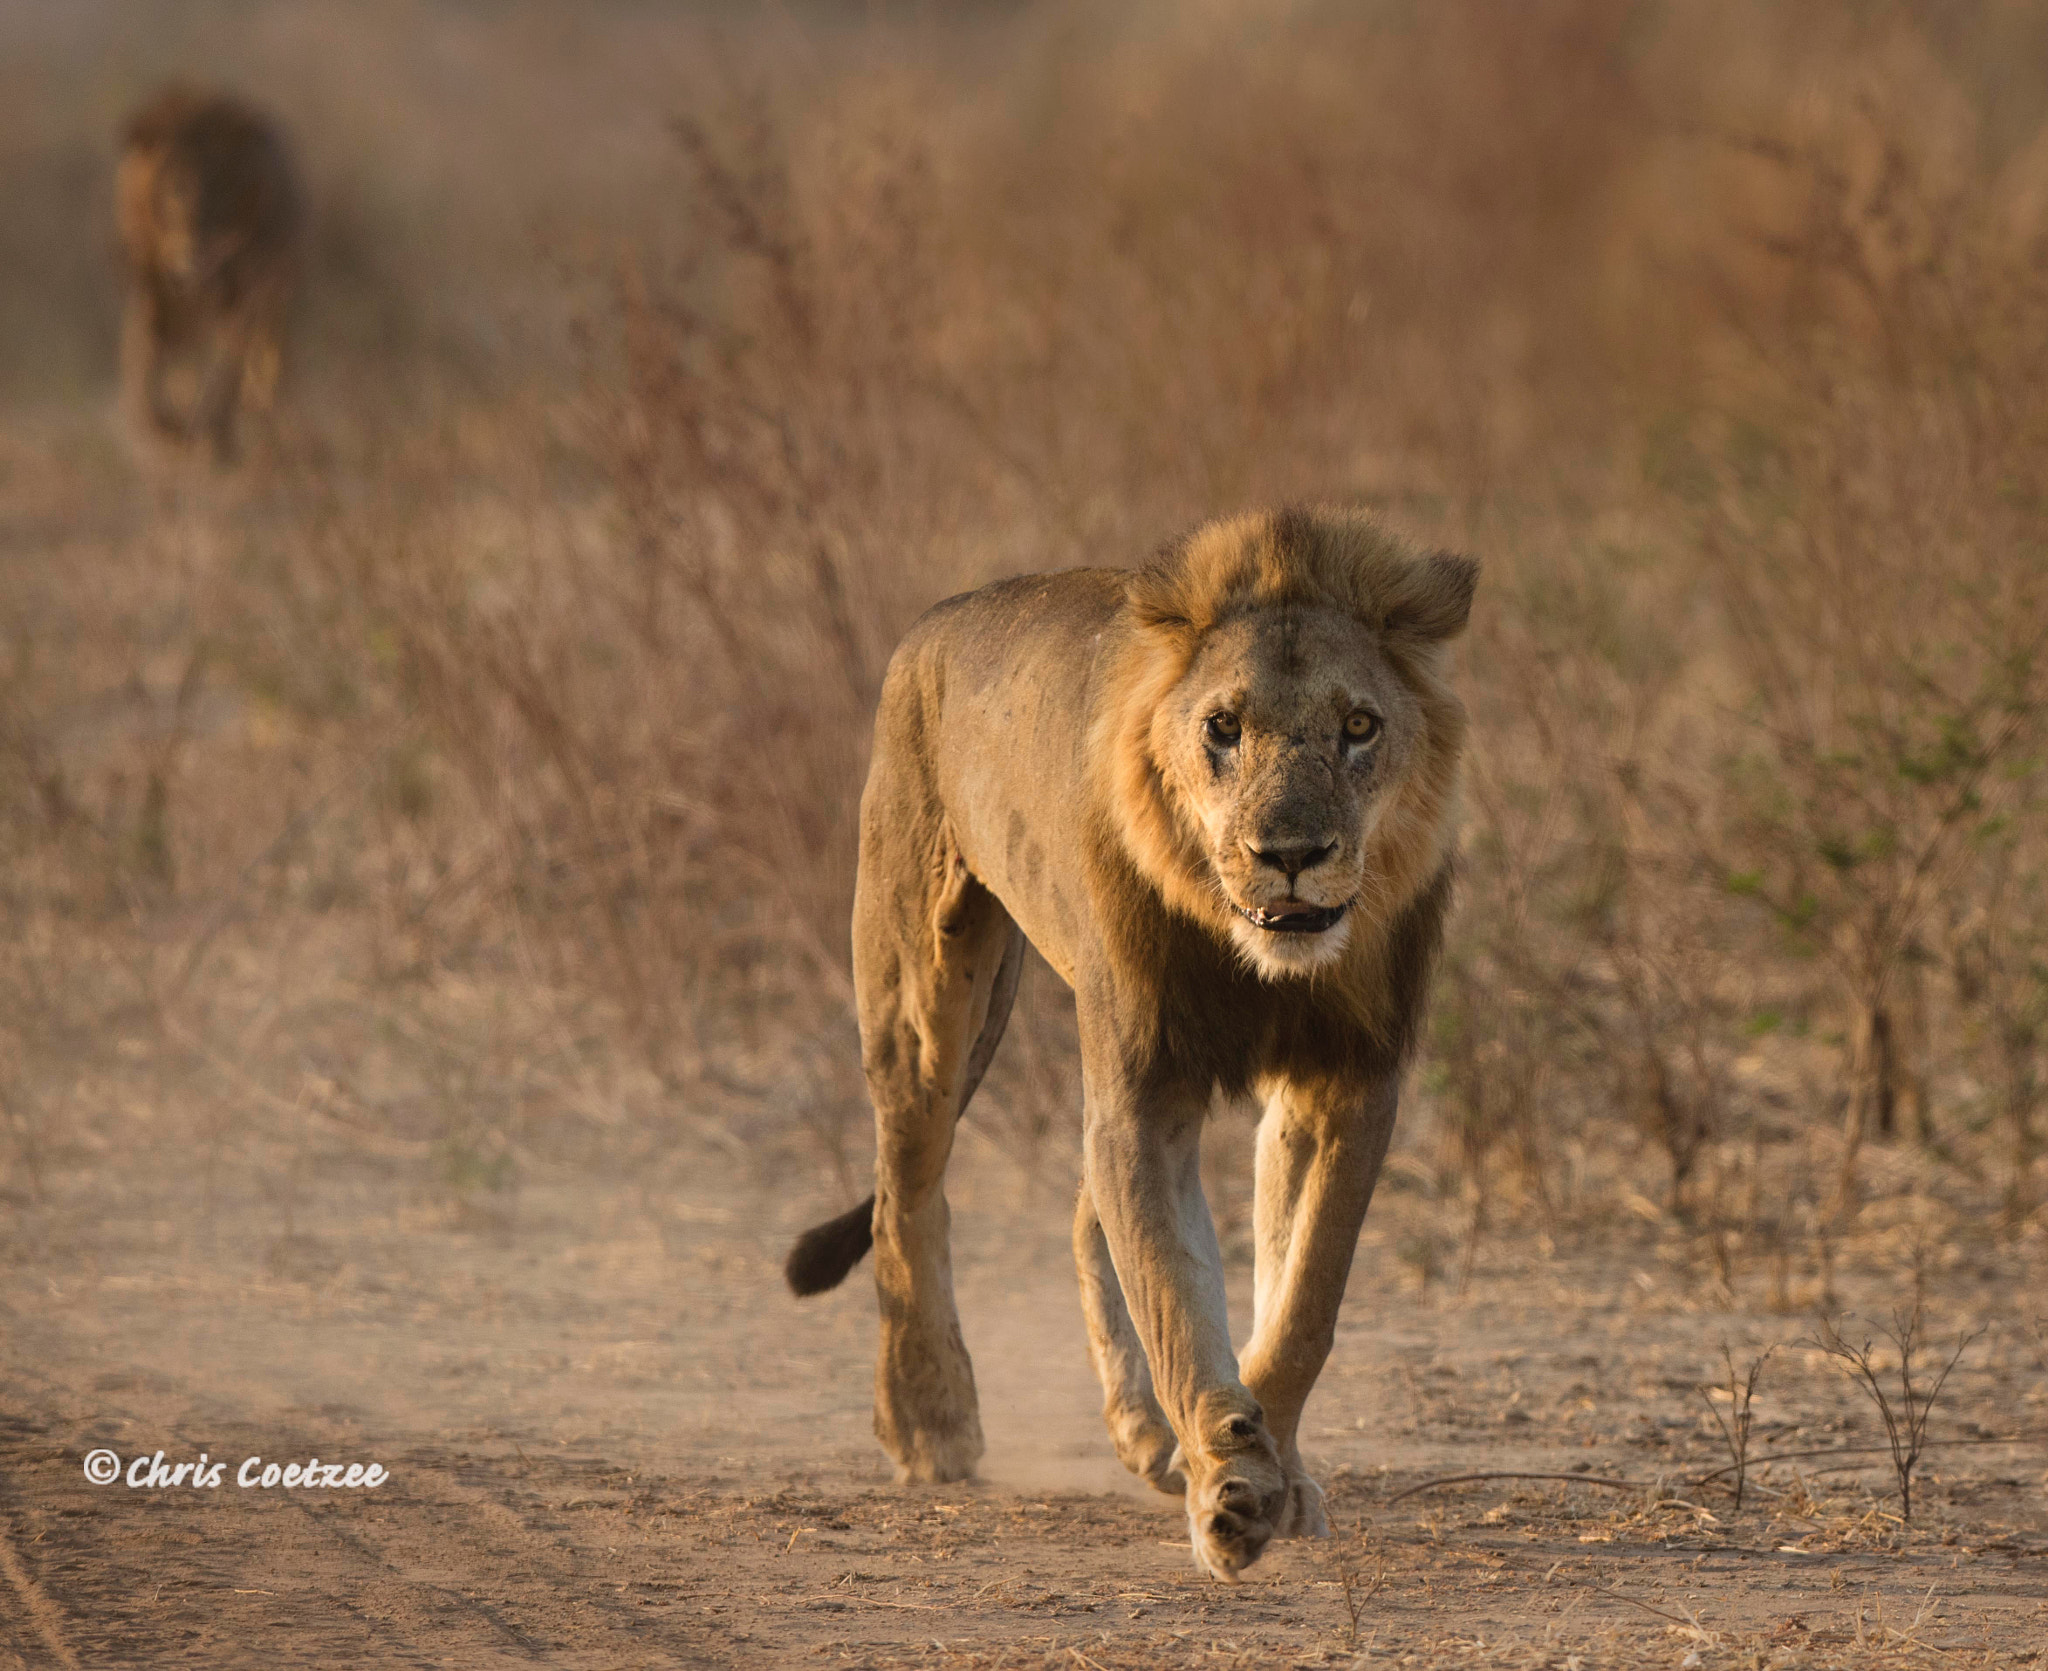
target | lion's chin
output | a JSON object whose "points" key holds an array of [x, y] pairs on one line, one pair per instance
{"points": [[1284, 955]]}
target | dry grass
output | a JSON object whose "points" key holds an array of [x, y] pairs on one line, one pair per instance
{"points": [[654, 378]]}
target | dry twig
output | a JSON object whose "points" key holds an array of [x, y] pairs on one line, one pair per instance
{"points": [[1735, 1425]]}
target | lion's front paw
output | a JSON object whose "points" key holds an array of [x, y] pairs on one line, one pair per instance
{"points": [[1233, 1515], [1303, 1515], [1237, 1487]]}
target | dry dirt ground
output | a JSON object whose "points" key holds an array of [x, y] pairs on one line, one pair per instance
{"points": [[301, 1208], [614, 1440]]}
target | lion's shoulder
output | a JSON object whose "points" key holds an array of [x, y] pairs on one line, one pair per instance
{"points": [[1028, 628]]}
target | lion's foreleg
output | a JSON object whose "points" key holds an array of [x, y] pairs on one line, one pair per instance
{"points": [[220, 385], [262, 349], [142, 358], [1144, 1441], [1319, 1154], [1144, 1171]]}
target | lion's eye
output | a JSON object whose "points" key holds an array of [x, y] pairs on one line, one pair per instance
{"points": [[1223, 729], [1361, 727]]}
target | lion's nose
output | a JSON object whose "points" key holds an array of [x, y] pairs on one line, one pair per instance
{"points": [[1292, 860]]}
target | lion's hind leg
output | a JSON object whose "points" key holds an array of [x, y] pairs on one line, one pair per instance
{"points": [[935, 960], [823, 1255]]}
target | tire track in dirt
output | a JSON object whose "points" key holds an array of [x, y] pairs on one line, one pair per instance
{"points": [[524, 1548], [122, 1547], [41, 1613], [375, 1564], [388, 1571]]}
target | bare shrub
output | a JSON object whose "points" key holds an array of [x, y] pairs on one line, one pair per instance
{"points": [[836, 387], [1905, 1422], [841, 388], [1358, 1593], [1997, 940], [1735, 1424], [1601, 912], [1747, 753], [1870, 537], [1717, 334]]}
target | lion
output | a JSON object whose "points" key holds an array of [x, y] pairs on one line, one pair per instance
{"points": [[210, 217], [1217, 794]]}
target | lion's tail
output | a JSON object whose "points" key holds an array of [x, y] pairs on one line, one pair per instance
{"points": [[826, 1252]]}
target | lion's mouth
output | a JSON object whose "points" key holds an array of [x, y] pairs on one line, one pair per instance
{"points": [[1293, 917]]}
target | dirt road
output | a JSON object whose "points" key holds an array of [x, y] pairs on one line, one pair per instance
{"points": [[613, 1440]]}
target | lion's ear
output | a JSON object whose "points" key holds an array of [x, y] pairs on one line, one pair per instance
{"points": [[1158, 593], [1435, 598]]}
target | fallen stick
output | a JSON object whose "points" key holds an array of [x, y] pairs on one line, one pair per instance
{"points": [[1860, 1450], [1703, 1479], [1569, 1479]]}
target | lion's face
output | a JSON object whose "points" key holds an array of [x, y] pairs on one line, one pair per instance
{"points": [[1284, 742]]}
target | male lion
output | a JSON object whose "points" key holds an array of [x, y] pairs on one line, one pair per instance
{"points": [[1216, 793], [207, 205]]}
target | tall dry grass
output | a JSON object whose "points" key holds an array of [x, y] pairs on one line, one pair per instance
{"points": [[1716, 334]]}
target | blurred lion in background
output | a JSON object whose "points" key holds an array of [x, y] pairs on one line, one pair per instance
{"points": [[210, 215]]}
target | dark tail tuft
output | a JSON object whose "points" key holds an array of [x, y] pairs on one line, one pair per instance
{"points": [[826, 1252]]}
